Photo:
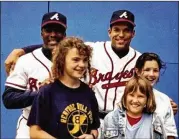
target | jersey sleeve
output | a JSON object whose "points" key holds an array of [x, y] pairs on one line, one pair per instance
{"points": [[39, 114], [18, 78], [95, 112], [31, 48]]}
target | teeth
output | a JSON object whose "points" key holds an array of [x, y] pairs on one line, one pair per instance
{"points": [[150, 79], [134, 105]]}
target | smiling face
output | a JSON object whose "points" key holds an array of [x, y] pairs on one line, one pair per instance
{"points": [[71, 59], [151, 71], [52, 34], [138, 97], [75, 64], [149, 66], [135, 103], [121, 35]]}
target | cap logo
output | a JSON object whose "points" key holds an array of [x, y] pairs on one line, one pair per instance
{"points": [[124, 14], [55, 16]]}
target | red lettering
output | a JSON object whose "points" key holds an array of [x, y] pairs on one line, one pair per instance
{"points": [[96, 77], [33, 84], [93, 75], [108, 76]]}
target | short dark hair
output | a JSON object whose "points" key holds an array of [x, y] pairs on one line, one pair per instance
{"points": [[149, 57]]}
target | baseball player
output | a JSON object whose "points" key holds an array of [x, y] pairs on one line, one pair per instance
{"points": [[114, 65], [30, 70]]}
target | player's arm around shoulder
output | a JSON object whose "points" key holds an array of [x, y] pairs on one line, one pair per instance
{"points": [[12, 58], [15, 95]]}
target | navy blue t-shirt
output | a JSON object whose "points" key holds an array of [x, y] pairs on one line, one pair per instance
{"points": [[65, 112]]}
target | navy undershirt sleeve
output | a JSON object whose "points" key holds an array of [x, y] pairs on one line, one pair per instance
{"points": [[31, 48], [15, 98]]}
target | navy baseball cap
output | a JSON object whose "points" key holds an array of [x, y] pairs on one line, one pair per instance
{"points": [[122, 16], [54, 18]]}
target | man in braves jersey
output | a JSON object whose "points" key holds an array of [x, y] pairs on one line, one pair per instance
{"points": [[112, 62], [22, 84]]}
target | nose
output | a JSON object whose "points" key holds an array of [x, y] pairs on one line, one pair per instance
{"points": [[121, 34], [135, 99], [82, 63], [53, 33], [151, 73]]}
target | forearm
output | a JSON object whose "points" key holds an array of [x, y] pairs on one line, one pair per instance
{"points": [[18, 52], [16, 99], [95, 133], [37, 133], [41, 135]]}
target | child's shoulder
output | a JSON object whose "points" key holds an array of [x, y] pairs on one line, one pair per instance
{"points": [[118, 112], [47, 88]]}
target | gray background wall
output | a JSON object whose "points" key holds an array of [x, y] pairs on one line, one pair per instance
{"points": [[156, 31]]}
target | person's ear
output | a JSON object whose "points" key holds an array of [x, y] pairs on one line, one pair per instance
{"points": [[109, 32], [41, 32], [133, 33]]}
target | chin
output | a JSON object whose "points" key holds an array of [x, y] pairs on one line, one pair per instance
{"points": [[120, 47], [152, 84], [137, 113], [78, 76], [51, 47]]}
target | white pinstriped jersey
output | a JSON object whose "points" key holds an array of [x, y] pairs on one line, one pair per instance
{"points": [[30, 70], [110, 73]]}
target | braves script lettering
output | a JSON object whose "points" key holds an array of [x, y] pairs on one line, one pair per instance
{"points": [[96, 76]]}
